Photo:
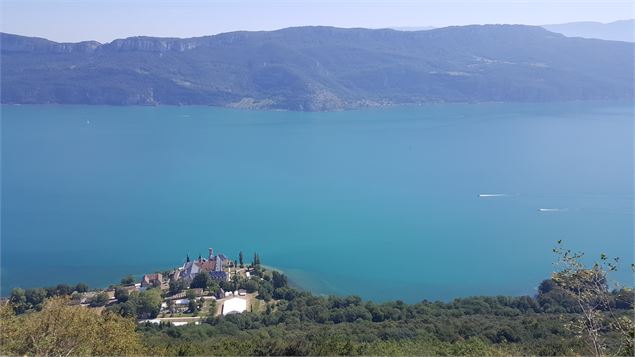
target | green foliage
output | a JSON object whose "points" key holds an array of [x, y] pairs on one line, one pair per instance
{"points": [[100, 299], [18, 300], [81, 287], [192, 306], [588, 287], [213, 286], [279, 280], [121, 294], [265, 290], [127, 280], [300, 323], [142, 305], [24, 300], [251, 285], [201, 280], [126, 309], [61, 290], [149, 303], [63, 330], [190, 294], [177, 286], [623, 298], [35, 297], [213, 306]]}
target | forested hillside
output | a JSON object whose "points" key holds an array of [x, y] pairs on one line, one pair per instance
{"points": [[320, 68]]}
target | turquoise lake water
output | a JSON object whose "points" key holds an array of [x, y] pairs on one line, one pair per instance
{"points": [[383, 203]]}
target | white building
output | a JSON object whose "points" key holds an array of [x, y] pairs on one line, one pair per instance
{"points": [[181, 301], [234, 306]]}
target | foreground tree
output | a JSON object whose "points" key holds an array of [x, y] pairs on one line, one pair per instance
{"points": [[63, 330], [589, 288]]}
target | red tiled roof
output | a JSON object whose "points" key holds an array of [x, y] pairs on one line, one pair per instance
{"points": [[207, 266], [148, 278]]}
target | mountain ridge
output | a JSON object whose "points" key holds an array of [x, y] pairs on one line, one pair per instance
{"points": [[622, 30], [319, 68]]}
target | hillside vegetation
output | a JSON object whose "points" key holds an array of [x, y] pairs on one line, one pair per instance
{"points": [[623, 30], [320, 68], [573, 313]]}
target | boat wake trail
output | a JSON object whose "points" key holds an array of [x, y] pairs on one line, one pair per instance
{"points": [[486, 195]]}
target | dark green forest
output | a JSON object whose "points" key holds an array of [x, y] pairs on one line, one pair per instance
{"points": [[301, 323]]}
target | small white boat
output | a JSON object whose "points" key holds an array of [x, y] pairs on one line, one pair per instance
{"points": [[492, 195], [551, 209]]}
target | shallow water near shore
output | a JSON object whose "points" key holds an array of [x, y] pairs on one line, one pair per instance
{"points": [[410, 203]]}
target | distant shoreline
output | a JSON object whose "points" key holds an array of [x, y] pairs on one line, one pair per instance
{"points": [[346, 109]]}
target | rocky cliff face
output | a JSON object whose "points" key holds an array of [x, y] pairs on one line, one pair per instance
{"points": [[14, 43], [152, 44]]}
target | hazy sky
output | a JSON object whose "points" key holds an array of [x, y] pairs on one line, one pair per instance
{"points": [[105, 20]]}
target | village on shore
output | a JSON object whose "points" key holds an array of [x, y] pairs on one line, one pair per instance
{"points": [[201, 288]]}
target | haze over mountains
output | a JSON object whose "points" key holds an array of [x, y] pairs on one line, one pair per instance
{"points": [[320, 68], [623, 30]]}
